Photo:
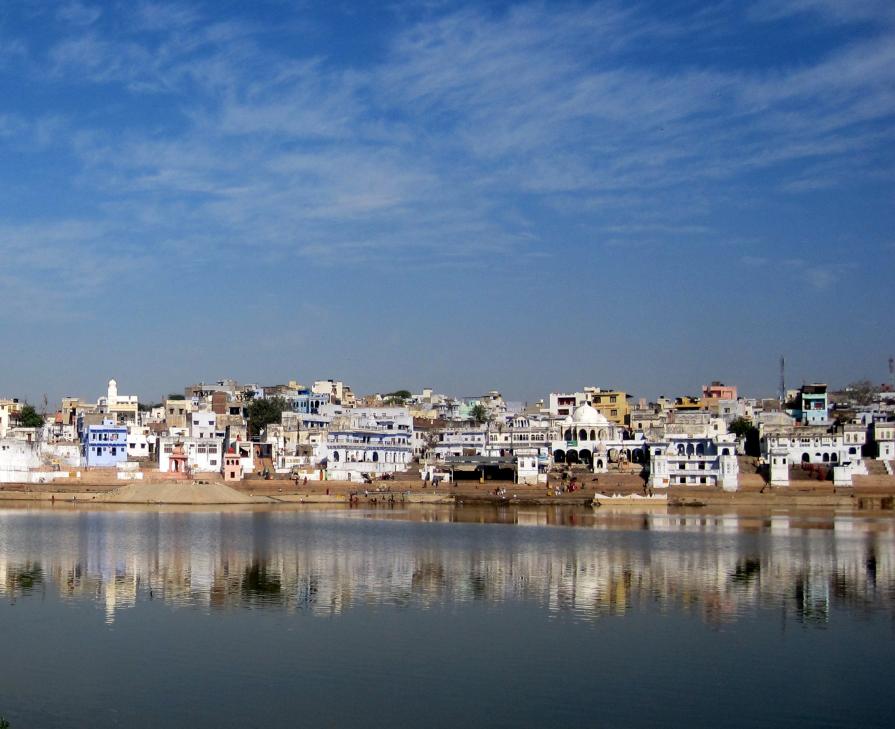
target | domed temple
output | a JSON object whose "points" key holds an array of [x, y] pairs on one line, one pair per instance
{"points": [[588, 438]]}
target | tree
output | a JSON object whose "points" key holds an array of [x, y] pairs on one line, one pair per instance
{"points": [[30, 418], [479, 413], [398, 397], [262, 412], [745, 429], [862, 392], [431, 440], [740, 427]]}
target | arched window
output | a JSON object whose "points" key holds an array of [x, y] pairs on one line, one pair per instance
{"points": [[375, 456], [593, 435], [805, 458], [335, 455], [700, 449], [568, 434], [826, 458], [582, 434]]}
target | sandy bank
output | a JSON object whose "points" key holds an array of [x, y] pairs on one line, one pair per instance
{"points": [[203, 493]]}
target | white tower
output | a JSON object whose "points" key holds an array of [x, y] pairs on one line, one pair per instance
{"points": [[112, 397], [779, 462], [658, 478], [730, 469]]}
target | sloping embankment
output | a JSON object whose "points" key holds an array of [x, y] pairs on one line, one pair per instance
{"points": [[178, 492]]}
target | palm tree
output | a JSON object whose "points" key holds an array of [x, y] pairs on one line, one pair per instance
{"points": [[479, 414]]}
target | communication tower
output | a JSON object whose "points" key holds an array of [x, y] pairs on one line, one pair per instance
{"points": [[783, 380]]}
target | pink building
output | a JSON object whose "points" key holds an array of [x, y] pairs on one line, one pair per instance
{"points": [[719, 391]]}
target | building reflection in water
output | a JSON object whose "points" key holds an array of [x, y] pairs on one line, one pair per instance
{"points": [[721, 567]]}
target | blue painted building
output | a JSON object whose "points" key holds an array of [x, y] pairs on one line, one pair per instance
{"points": [[105, 446], [812, 406], [309, 403]]}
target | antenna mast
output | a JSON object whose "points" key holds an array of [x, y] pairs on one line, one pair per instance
{"points": [[783, 381]]}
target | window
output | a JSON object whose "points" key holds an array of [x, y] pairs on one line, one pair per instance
{"points": [[213, 462], [613, 412], [612, 399]]}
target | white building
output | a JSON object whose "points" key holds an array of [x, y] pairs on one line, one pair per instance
{"points": [[140, 442], [17, 458], [369, 441], [840, 447], [694, 460], [121, 408], [204, 455], [203, 424], [464, 440], [884, 436], [519, 432], [817, 444], [587, 437]]}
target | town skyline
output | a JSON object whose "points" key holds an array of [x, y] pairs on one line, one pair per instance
{"points": [[177, 389], [655, 195]]}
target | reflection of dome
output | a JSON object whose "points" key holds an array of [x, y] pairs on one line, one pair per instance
{"points": [[587, 415]]}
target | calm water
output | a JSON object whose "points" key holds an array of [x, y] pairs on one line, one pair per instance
{"points": [[441, 617]]}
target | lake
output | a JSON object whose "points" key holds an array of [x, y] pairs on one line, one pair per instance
{"points": [[444, 616]]}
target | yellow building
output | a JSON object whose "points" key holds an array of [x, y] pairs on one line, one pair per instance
{"points": [[612, 404], [9, 409], [688, 404], [176, 412]]}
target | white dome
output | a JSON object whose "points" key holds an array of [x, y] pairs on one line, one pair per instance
{"points": [[587, 415]]}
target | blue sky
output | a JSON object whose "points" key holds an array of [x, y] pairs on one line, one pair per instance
{"points": [[524, 196]]}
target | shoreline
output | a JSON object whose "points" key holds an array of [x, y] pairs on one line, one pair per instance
{"points": [[334, 493]]}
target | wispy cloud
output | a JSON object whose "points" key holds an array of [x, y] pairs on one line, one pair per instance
{"points": [[475, 130], [836, 10], [78, 13]]}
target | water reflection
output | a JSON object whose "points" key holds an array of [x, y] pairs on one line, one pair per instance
{"points": [[721, 567]]}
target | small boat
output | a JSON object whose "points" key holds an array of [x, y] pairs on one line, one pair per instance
{"points": [[630, 500]]}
